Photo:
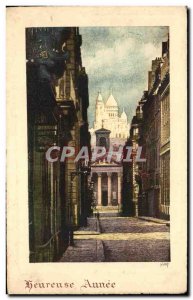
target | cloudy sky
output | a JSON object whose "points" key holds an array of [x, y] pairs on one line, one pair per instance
{"points": [[118, 59]]}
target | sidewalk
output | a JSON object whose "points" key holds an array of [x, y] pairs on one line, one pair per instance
{"points": [[155, 220], [85, 249]]}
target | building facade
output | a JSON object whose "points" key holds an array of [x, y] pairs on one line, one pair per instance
{"points": [[147, 184], [110, 130], [151, 142], [106, 176], [165, 133], [107, 115], [57, 102], [132, 185]]}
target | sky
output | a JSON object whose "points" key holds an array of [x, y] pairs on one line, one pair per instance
{"points": [[118, 59]]}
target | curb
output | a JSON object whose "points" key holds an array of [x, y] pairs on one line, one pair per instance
{"points": [[163, 222], [98, 226], [86, 232], [100, 251]]}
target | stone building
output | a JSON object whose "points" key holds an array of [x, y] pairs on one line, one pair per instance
{"points": [[107, 115], [57, 102], [151, 180], [165, 132], [132, 187], [107, 177], [151, 142], [110, 130], [156, 135]]}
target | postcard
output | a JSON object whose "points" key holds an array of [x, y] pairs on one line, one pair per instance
{"points": [[96, 150]]}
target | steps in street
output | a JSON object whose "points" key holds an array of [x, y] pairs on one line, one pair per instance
{"points": [[109, 214], [108, 211]]}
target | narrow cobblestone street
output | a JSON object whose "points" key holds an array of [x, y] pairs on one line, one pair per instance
{"points": [[120, 239]]}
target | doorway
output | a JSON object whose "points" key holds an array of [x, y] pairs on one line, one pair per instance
{"points": [[104, 198]]}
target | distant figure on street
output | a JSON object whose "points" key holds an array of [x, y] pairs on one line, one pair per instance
{"points": [[98, 215]]}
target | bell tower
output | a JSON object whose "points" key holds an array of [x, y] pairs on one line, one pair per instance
{"points": [[99, 111], [102, 137]]}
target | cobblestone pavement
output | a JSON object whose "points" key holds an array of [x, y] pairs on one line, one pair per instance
{"points": [[146, 241], [132, 225], [122, 240]]}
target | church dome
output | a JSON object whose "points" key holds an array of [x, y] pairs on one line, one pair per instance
{"points": [[111, 101], [123, 115], [99, 97]]}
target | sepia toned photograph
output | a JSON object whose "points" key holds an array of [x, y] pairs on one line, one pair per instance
{"points": [[97, 190]]}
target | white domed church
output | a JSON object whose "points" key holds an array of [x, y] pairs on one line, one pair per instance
{"points": [[107, 116]]}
